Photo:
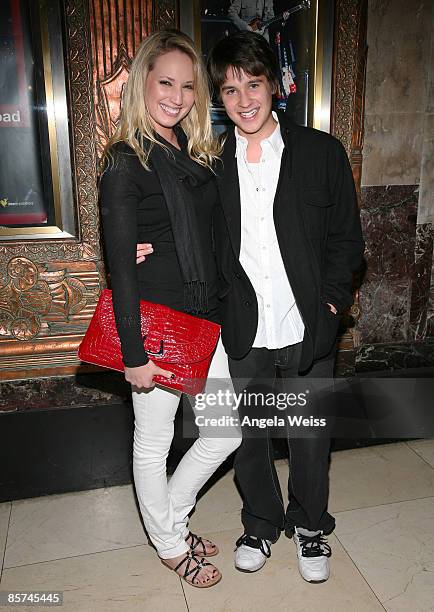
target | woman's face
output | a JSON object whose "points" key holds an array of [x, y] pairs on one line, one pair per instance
{"points": [[169, 90]]}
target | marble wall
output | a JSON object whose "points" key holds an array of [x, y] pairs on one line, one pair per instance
{"points": [[397, 296], [397, 90], [389, 226]]}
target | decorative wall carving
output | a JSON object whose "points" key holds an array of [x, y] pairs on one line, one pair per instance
{"points": [[349, 69], [166, 14], [349, 76], [117, 30], [37, 299], [49, 288]]}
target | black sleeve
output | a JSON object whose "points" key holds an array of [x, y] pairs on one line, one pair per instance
{"points": [[345, 245], [119, 197], [221, 246]]}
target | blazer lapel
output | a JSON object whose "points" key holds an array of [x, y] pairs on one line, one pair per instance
{"points": [[229, 189]]}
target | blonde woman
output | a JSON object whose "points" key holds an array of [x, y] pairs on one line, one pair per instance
{"points": [[158, 187]]}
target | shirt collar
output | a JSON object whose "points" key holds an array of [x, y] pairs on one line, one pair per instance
{"points": [[275, 140]]}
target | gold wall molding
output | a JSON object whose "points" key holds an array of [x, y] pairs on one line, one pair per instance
{"points": [[349, 75], [38, 299], [49, 288], [348, 104]]}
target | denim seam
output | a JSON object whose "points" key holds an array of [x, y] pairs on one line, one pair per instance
{"points": [[290, 464], [290, 461]]}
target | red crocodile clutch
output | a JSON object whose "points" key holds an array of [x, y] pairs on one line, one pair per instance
{"points": [[174, 340]]}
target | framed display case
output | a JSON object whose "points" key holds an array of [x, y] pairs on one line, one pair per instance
{"points": [[36, 198], [300, 33]]}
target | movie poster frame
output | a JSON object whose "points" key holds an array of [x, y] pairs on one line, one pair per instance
{"points": [[321, 40], [46, 31]]}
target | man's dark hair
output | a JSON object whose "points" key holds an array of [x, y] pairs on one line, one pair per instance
{"points": [[243, 51]]}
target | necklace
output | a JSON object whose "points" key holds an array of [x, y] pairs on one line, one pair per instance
{"points": [[254, 170]]}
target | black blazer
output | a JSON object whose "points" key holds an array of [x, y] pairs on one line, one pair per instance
{"points": [[319, 234]]}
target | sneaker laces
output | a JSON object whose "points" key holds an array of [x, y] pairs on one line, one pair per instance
{"points": [[314, 546], [254, 542]]}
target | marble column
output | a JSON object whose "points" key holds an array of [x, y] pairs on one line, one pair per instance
{"points": [[398, 176]]}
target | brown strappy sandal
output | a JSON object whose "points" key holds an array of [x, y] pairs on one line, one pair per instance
{"points": [[201, 562], [197, 541]]}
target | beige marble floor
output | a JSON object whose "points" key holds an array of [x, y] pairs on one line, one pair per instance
{"points": [[91, 545], [5, 513]]}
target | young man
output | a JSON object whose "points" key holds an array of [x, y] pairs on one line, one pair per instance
{"points": [[288, 239]]}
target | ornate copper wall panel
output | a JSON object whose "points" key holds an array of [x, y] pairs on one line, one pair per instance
{"points": [[348, 96], [349, 69], [165, 14], [117, 29], [49, 287]]}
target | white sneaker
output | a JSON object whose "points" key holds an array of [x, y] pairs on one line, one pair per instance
{"points": [[251, 553], [313, 553]]}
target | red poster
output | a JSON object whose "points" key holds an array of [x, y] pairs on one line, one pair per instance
{"points": [[23, 197], [14, 106]]}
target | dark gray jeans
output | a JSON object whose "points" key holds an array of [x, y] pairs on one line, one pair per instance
{"points": [[264, 514]]}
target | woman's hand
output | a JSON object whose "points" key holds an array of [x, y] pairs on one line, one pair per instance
{"points": [[142, 376], [143, 249]]}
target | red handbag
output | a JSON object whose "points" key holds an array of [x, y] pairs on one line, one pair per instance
{"points": [[174, 340]]}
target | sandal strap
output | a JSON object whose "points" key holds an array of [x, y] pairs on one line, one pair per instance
{"points": [[194, 571], [186, 558], [196, 541], [197, 570]]}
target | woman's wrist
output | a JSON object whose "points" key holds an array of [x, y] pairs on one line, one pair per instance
{"points": [[136, 363]]}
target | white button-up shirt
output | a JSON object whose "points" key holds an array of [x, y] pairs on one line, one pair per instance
{"points": [[279, 320]]}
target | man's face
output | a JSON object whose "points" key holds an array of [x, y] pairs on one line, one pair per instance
{"points": [[248, 101]]}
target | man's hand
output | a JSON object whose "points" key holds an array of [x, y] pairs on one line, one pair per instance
{"points": [[254, 25], [143, 249], [142, 376], [332, 308]]}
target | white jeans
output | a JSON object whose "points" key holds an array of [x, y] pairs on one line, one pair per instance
{"points": [[165, 506]]}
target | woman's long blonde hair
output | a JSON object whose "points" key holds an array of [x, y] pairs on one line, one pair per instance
{"points": [[135, 125]]}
